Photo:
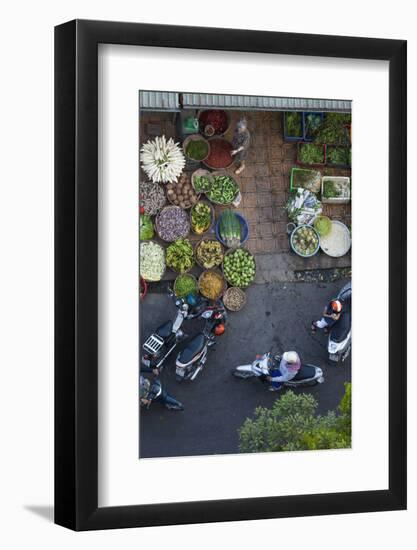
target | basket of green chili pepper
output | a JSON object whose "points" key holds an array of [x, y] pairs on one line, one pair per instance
{"points": [[223, 190]]}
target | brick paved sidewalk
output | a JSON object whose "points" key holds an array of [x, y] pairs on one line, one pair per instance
{"points": [[264, 185]]}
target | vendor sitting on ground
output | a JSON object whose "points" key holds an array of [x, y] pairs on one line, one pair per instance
{"points": [[331, 315], [240, 142], [289, 366]]}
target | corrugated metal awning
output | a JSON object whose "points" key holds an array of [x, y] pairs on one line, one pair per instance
{"points": [[159, 101], [247, 102], [174, 101]]}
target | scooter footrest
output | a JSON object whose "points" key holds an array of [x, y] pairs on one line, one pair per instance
{"points": [[153, 344]]}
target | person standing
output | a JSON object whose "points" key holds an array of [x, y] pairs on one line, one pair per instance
{"points": [[240, 143]]}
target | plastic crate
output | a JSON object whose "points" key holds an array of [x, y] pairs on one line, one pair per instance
{"points": [[318, 145], [336, 165], [306, 137], [345, 199], [288, 137], [314, 173]]}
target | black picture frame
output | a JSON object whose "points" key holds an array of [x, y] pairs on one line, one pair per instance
{"points": [[76, 270]]}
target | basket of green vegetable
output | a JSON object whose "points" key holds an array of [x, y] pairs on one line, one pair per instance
{"points": [[209, 253], [305, 241], [224, 189], [152, 261], [202, 217], [232, 230], [239, 267], [184, 285], [180, 256], [201, 180], [195, 147]]}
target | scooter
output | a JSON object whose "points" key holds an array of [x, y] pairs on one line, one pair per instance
{"points": [[166, 337], [308, 375], [192, 358], [340, 335]]}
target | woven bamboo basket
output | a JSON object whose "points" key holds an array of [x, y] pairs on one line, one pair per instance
{"points": [[204, 239], [230, 251], [227, 294], [188, 275], [217, 272], [176, 270], [189, 204], [195, 137], [199, 172], [212, 214], [157, 229]]}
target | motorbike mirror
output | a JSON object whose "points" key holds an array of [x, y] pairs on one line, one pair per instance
{"points": [[206, 314]]}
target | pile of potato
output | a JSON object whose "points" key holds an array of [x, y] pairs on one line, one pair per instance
{"points": [[182, 193]]}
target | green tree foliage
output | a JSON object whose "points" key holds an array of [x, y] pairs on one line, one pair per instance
{"points": [[292, 424]]}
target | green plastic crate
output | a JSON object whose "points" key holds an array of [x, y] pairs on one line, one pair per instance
{"points": [[315, 173]]}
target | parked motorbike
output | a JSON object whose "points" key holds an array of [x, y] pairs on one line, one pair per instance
{"points": [[192, 358], [152, 392], [340, 336], [166, 337], [308, 375]]}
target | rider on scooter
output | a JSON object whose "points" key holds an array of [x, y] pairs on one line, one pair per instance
{"points": [[289, 366], [331, 315]]}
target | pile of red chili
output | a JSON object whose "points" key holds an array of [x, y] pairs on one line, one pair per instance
{"points": [[219, 156], [216, 118]]}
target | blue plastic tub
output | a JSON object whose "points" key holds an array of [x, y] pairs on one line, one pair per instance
{"points": [[244, 230], [293, 138], [307, 137]]}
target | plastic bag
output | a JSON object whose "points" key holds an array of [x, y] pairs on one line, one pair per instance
{"points": [[303, 207]]}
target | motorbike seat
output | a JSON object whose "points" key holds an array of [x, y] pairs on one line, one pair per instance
{"points": [[193, 347], [341, 329], [164, 330], [305, 372]]}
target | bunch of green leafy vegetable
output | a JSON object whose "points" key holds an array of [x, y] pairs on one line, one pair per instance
{"points": [[333, 129], [200, 217], [310, 153], [313, 122], [224, 190], [202, 184], [293, 126], [146, 231], [180, 256], [197, 149], [306, 179], [330, 189], [339, 155]]}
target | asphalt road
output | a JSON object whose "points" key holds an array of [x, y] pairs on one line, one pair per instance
{"points": [[276, 315]]}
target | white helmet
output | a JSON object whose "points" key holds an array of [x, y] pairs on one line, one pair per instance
{"points": [[291, 357]]}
